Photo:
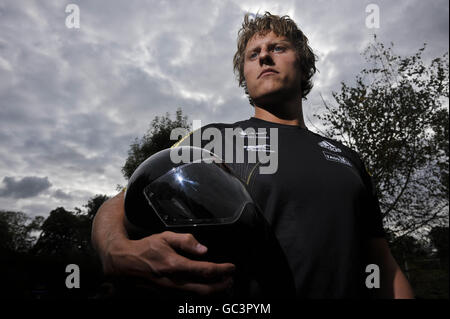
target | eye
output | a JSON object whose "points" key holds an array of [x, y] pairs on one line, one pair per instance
{"points": [[252, 55], [278, 48]]}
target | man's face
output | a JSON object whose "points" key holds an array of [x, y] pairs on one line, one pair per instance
{"points": [[278, 55]]}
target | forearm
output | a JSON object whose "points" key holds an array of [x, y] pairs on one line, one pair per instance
{"points": [[401, 287], [108, 226], [393, 283]]}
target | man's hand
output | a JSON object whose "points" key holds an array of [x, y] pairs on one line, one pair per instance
{"points": [[156, 258]]}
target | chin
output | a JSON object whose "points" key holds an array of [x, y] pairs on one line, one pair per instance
{"points": [[275, 94], [269, 98]]}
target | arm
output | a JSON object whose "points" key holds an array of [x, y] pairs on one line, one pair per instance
{"points": [[393, 283], [154, 258], [108, 229]]}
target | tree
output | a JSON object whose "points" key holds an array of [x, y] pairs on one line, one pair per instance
{"points": [[439, 238], [68, 232], [63, 234], [156, 139], [407, 248], [396, 117], [94, 204], [16, 230]]}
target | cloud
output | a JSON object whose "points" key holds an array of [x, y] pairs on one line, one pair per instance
{"points": [[25, 187], [61, 195]]}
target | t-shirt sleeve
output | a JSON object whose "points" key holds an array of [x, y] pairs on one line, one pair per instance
{"points": [[372, 221]]}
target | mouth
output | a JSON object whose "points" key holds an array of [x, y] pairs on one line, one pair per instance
{"points": [[267, 72]]}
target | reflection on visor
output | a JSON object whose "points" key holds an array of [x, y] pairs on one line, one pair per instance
{"points": [[197, 194]]}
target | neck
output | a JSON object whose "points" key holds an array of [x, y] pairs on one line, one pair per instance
{"points": [[295, 117]]}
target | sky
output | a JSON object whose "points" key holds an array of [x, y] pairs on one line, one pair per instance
{"points": [[73, 99]]}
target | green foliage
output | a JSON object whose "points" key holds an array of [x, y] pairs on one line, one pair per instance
{"points": [[66, 233], [63, 234], [428, 278], [16, 231], [396, 118], [427, 274], [156, 139], [408, 247], [439, 238], [30, 268], [94, 204]]}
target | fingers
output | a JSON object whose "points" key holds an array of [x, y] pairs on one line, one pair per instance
{"points": [[185, 242], [184, 266], [157, 258], [206, 270], [202, 278]]}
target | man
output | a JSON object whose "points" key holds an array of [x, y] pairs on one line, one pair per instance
{"points": [[320, 200]]}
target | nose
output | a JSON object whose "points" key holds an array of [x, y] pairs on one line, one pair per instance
{"points": [[265, 58]]}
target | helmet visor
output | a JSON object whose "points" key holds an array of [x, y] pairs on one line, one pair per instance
{"points": [[197, 194]]}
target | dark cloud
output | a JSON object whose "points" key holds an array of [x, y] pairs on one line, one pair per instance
{"points": [[25, 187], [61, 195]]}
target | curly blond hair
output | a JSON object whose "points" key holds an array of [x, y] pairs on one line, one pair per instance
{"points": [[281, 26]]}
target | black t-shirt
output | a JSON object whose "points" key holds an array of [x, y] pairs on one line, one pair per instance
{"points": [[319, 200]]}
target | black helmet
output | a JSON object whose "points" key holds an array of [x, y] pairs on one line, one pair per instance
{"points": [[203, 196]]}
